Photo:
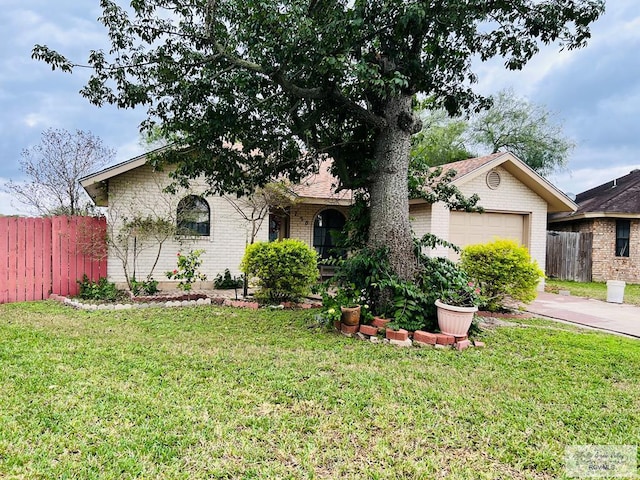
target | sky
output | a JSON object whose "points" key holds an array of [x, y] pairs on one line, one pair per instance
{"points": [[593, 92]]}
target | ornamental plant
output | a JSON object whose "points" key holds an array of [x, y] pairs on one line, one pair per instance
{"points": [[462, 295], [283, 270], [188, 270], [504, 272]]}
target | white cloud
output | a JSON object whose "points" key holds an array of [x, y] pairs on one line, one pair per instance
{"points": [[8, 204], [36, 119]]}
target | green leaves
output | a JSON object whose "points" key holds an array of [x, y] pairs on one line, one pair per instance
{"points": [[188, 270], [504, 271], [284, 269]]}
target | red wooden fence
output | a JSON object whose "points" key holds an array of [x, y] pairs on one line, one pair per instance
{"points": [[39, 256]]}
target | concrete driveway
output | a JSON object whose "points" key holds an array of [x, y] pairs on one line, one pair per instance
{"points": [[611, 317]]}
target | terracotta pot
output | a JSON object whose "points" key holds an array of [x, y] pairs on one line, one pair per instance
{"points": [[454, 320], [351, 315]]}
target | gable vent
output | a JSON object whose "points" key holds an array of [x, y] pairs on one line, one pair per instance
{"points": [[493, 179]]}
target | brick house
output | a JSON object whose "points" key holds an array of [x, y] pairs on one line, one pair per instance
{"points": [[515, 198], [611, 212]]}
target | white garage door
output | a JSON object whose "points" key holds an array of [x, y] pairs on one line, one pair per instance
{"points": [[470, 228]]}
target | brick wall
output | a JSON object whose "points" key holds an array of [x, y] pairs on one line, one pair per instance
{"points": [[139, 192], [605, 264]]}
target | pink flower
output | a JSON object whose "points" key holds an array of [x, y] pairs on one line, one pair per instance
{"points": [[178, 253], [175, 271], [470, 284]]}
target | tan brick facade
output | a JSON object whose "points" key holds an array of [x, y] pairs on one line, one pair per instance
{"points": [[140, 192], [511, 196], [605, 264]]}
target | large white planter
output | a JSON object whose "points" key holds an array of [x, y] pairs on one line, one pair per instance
{"points": [[454, 320]]}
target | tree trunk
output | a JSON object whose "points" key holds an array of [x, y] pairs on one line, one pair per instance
{"points": [[390, 225]]}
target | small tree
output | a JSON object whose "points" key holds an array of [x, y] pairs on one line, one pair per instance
{"points": [[504, 271], [54, 168]]}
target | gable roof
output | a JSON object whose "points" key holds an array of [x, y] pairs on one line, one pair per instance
{"points": [[466, 170], [616, 198], [315, 188], [319, 188], [95, 183]]}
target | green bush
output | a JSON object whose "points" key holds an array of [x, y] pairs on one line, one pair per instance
{"points": [[284, 269], [100, 290], [226, 281], [144, 287], [504, 271]]}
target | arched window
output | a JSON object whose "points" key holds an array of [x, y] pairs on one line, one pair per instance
{"points": [[193, 216], [327, 223]]}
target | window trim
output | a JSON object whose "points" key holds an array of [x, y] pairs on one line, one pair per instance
{"points": [[623, 238], [185, 231], [321, 248]]}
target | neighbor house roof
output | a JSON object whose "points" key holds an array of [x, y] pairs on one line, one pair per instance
{"points": [[616, 198], [466, 170]]}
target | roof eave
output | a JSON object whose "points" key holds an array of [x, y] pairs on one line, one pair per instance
{"points": [[592, 215], [556, 200]]}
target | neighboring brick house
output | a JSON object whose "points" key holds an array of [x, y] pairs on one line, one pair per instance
{"points": [[515, 198], [611, 212]]}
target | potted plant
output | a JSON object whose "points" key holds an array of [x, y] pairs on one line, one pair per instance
{"points": [[456, 307]]}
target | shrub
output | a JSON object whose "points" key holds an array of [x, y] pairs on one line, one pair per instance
{"points": [[284, 269], [188, 270], [225, 281], [504, 271], [144, 287], [100, 290], [413, 303]]}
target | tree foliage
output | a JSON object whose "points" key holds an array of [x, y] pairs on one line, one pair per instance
{"points": [[317, 77], [526, 129], [511, 123], [54, 168]]}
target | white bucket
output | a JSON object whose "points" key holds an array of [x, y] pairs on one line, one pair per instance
{"points": [[615, 291]]}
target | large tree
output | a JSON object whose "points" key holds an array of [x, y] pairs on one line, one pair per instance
{"points": [[53, 169], [511, 123], [524, 128], [288, 77]]}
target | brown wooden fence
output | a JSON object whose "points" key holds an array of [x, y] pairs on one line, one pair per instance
{"points": [[569, 256], [40, 256]]}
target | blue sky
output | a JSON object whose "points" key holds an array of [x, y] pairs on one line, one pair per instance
{"points": [[594, 92]]}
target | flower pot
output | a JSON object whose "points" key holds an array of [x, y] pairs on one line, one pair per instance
{"points": [[351, 315], [454, 320]]}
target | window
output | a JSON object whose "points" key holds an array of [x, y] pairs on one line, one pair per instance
{"points": [[193, 216], [327, 224], [623, 229]]}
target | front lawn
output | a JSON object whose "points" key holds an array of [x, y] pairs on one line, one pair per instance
{"points": [[597, 290], [221, 393]]}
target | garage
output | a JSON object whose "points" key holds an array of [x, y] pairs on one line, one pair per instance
{"points": [[467, 228]]}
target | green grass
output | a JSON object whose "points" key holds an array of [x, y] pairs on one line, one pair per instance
{"points": [[597, 290], [220, 393]]}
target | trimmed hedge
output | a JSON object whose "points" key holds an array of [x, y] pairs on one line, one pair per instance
{"points": [[504, 271], [284, 269]]}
